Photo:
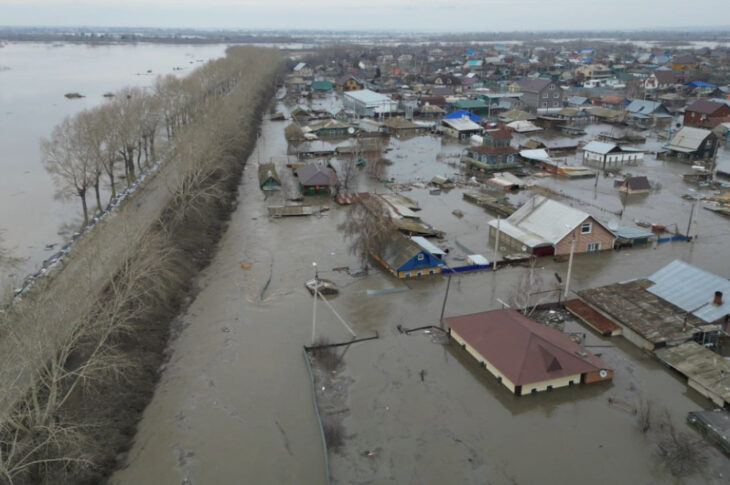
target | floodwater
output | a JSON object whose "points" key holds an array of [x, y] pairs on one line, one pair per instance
{"points": [[234, 404], [33, 80]]}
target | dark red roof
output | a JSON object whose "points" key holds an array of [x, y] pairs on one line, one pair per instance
{"points": [[637, 183], [704, 106], [524, 351], [499, 133]]}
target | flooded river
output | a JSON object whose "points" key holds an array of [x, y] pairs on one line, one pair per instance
{"points": [[234, 404], [33, 80]]}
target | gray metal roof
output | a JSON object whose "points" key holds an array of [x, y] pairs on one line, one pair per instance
{"points": [[691, 289], [630, 232], [688, 139], [599, 147]]}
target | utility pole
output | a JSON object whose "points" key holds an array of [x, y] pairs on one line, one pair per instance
{"points": [[691, 214], [443, 306], [496, 246], [570, 268], [314, 305]]}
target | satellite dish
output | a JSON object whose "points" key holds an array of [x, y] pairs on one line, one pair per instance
{"points": [[351, 130]]}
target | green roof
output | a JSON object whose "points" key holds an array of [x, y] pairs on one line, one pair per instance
{"points": [[321, 85], [470, 104]]}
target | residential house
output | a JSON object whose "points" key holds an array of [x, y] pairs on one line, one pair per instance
{"points": [[693, 143], [462, 128], [329, 128], [644, 114], [685, 63], [706, 114], [369, 103], [613, 101], [405, 258], [401, 126], [541, 95], [610, 156], [544, 227], [476, 106], [661, 79], [315, 179], [351, 83], [635, 185], [593, 71], [268, 178], [523, 355], [494, 154]]}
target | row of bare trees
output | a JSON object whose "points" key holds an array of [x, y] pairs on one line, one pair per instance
{"points": [[93, 149]]}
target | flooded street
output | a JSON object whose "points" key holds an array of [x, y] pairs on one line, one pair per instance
{"points": [[33, 80], [234, 403]]}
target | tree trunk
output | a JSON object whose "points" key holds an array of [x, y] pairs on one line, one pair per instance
{"points": [[82, 195], [112, 184], [98, 195]]}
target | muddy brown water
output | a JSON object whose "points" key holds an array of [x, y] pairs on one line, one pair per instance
{"points": [[234, 404]]}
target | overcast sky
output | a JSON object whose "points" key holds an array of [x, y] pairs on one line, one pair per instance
{"points": [[419, 15]]}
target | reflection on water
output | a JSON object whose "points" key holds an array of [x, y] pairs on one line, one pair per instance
{"points": [[33, 80]]}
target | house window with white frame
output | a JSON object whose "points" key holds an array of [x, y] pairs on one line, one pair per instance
{"points": [[545, 94], [586, 228], [593, 247], [420, 257]]}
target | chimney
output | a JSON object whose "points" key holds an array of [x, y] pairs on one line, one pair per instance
{"points": [[718, 298]]}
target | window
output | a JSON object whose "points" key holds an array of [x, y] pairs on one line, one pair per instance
{"points": [[420, 257], [556, 95], [545, 94], [544, 104], [593, 247], [552, 86], [586, 228]]}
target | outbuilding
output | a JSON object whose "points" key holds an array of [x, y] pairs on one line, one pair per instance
{"points": [[610, 156]]}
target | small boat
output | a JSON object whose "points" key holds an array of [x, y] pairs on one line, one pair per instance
{"points": [[324, 287]]}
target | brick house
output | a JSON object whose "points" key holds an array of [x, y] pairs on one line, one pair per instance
{"points": [[545, 227], [706, 114]]}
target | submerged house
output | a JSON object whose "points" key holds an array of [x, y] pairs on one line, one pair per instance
{"points": [[315, 179], [523, 355], [268, 178], [635, 185], [610, 156], [405, 258], [494, 154], [693, 143], [544, 227]]}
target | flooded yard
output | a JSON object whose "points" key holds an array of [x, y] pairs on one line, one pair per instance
{"points": [[234, 404]]}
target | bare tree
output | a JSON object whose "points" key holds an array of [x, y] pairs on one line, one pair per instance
{"points": [[682, 453], [368, 226], [530, 290], [69, 160]]}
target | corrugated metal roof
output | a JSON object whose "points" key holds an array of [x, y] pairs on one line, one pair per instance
{"points": [[368, 97], [428, 246], [462, 124], [547, 219], [688, 139], [691, 289], [599, 147]]}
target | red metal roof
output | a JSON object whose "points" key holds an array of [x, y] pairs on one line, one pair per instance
{"points": [[524, 351]]}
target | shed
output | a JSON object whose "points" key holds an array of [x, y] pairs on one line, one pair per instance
{"points": [[635, 185], [523, 355]]}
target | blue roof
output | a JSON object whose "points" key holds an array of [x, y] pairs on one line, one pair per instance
{"points": [[460, 113], [691, 289], [700, 84], [470, 51]]}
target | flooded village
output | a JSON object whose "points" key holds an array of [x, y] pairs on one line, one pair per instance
{"points": [[436, 262], [473, 264]]}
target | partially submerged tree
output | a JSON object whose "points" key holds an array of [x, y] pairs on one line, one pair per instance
{"points": [[367, 227], [70, 161]]}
